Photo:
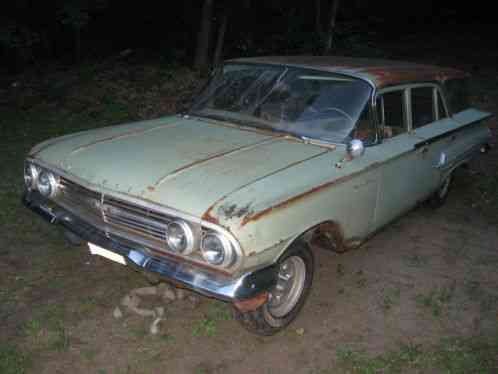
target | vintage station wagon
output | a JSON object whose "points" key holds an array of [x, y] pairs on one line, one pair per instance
{"points": [[277, 157]]}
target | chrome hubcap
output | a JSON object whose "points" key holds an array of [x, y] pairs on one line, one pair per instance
{"points": [[290, 284]]}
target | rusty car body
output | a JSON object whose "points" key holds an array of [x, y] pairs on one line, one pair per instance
{"points": [[278, 156]]}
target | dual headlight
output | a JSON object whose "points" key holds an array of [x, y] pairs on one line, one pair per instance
{"points": [[216, 249], [37, 178]]}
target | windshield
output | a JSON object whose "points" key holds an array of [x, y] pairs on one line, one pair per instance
{"points": [[302, 102]]}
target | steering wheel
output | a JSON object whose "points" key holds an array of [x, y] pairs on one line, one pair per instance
{"points": [[330, 109]]}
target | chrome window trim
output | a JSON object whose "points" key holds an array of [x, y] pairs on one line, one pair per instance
{"points": [[407, 99]]}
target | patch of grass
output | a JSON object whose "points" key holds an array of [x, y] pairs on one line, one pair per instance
{"points": [[60, 339], [437, 300], [451, 356], [87, 305], [205, 327], [33, 328], [208, 326], [167, 338], [89, 354], [12, 360], [55, 283]]}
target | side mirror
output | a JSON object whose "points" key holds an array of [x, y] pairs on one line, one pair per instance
{"points": [[355, 148]]}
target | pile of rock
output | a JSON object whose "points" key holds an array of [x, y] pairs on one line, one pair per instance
{"points": [[164, 292]]}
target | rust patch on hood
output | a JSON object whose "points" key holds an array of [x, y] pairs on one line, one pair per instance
{"points": [[208, 217], [256, 216], [233, 210]]}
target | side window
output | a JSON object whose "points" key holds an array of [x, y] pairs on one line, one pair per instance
{"points": [[391, 114], [441, 111], [423, 111]]}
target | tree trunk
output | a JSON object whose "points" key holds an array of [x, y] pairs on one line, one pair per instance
{"points": [[318, 17], [201, 60], [218, 53], [330, 32]]}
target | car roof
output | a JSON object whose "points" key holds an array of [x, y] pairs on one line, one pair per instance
{"points": [[378, 72]]}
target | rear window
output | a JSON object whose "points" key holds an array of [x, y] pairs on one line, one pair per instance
{"points": [[457, 94]]}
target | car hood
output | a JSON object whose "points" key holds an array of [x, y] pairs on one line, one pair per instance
{"points": [[186, 164]]}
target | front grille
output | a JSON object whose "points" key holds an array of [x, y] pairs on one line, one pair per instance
{"points": [[117, 213], [140, 220], [78, 197]]}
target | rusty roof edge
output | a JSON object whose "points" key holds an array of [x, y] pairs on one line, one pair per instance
{"points": [[373, 71]]}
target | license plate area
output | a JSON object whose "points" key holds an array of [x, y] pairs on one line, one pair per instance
{"points": [[99, 251]]}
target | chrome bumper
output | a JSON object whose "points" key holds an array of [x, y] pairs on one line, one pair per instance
{"points": [[209, 283]]}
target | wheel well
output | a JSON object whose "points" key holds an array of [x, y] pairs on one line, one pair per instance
{"points": [[326, 235]]}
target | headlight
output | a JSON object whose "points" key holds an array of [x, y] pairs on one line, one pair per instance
{"points": [[30, 175], [217, 250], [179, 237], [47, 184]]}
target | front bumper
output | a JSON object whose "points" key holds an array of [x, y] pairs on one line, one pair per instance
{"points": [[209, 283]]}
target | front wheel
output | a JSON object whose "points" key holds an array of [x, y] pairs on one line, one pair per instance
{"points": [[294, 279]]}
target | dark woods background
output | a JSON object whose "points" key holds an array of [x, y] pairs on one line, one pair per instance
{"points": [[199, 33]]}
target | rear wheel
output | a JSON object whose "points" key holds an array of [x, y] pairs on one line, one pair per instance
{"points": [[294, 279], [440, 196]]}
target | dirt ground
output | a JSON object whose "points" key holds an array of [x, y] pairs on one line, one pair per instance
{"points": [[429, 275]]}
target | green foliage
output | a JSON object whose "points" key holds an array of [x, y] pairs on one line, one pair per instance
{"points": [[13, 361], [437, 300], [208, 326], [451, 356]]}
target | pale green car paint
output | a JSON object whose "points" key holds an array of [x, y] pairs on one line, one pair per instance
{"points": [[207, 169]]}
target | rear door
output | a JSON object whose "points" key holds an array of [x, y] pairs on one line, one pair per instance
{"points": [[403, 180]]}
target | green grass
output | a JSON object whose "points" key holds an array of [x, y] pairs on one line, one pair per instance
{"points": [[390, 298], [437, 300], [13, 361], [208, 326], [450, 356]]}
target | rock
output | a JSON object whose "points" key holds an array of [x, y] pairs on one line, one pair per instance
{"points": [[300, 331], [166, 292], [145, 291], [117, 313], [154, 326], [159, 311], [130, 301]]}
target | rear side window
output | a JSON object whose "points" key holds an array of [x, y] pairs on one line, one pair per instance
{"points": [[423, 111], [390, 112], [457, 94]]}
